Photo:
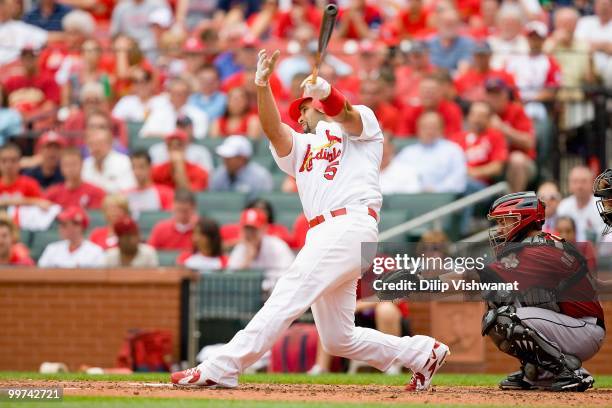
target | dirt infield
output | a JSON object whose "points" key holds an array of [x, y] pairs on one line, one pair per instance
{"points": [[329, 393]]}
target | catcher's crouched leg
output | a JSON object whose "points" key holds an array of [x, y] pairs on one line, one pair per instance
{"points": [[534, 352]]}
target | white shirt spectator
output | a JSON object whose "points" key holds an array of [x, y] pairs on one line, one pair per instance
{"points": [[399, 177], [162, 119], [58, 255], [15, 36], [145, 258], [441, 166], [196, 154], [116, 174], [589, 225], [130, 108], [203, 262], [505, 50], [590, 29], [274, 257]]}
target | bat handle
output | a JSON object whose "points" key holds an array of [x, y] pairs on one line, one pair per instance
{"points": [[315, 73]]}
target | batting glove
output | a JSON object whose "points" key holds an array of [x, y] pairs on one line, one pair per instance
{"points": [[265, 66], [317, 90]]}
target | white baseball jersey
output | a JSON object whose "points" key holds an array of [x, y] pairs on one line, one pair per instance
{"points": [[333, 169], [58, 255]]}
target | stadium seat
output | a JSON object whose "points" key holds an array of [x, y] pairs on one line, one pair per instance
{"points": [[167, 258], [145, 143], [220, 201], [391, 218], [401, 142], [278, 177], [148, 219], [286, 218], [265, 161], [133, 130], [40, 241], [229, 294], [417, 204], [283, 201], [224, 217], [96, 218]]}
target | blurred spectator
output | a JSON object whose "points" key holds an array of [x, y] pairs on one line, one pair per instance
{"points": [[178, 172], [371, 94], [17, 35], [301, 13], [509, 40], [106, 168], [411, 20], [358, 20], [195, 153], [93, 102], [238, 117], [485, 148], [257, 250], [87, 66], [537, 75], [566, 229], [440, 164], [129, 250], [510, 118], [16, 189], [549, 194], [136, 106], [410, 74], [74, 191], [47, 15], [434, 244], [484, 25], [240, 53], [191, 13], [33, 93], [78, 26], [238, 172], [230, 233], [114, 208], [49, 147], [369, 65], [166, 107], [432, 99], [176, 233], [448, 49], [130, 17], [147, 196], [10, 119], [172, 61], [575, 61], [206, 253], [597, 31], [9, 253], [396, 175], [127, 56], [581, 205], [209, 98], [74, 251], [470, 85]]}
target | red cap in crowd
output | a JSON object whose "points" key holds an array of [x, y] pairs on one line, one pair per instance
{"points": [[193, 44], [124, 226], [253, 217], [74, 214], [177, 134], [51, 137], [538, 28]]}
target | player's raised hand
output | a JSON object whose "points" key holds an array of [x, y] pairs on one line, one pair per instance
{"points": [[265, 67], [320, 89]]}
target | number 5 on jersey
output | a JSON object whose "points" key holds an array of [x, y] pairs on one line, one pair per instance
{"points": [[330, 171]]}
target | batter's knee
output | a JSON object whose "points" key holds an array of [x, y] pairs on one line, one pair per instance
{"points": [[337, 345]]}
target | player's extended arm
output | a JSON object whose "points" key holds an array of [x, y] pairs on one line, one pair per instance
{"points": [[276, 131], [334, 104]]}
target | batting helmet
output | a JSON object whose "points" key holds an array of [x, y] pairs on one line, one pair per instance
{"points": [[515, 214], [602, 188]]}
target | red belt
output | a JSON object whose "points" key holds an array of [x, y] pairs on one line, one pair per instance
{"points": [[320, 219]]}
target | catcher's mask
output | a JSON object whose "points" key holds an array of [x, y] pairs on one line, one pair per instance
{"points": [[515, 215], [602, 188]]}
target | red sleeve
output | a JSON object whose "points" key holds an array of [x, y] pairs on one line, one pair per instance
{"points": [[51, 193], [454, 118], [521, 121], [156, 232], [198, 178], [97, 196], [280, 231], [159, 174], [499, 146], [553, 77], [98, 236], [166, 196], [52, 90], [407, 126], [31, 188], [230, 233]]}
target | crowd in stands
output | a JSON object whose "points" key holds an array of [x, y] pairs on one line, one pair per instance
{"points": [[133, 106]]}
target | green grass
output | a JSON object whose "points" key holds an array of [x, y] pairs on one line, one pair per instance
{"points": [[479, 380], [117, 402]]}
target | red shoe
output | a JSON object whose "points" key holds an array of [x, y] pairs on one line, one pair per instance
{"points": [[421, 380], [192, 377]]}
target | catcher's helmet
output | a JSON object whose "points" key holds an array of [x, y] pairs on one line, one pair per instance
{"points": [[602, 188], [516, 214]]}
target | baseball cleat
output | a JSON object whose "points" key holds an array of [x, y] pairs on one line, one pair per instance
{"points": [[421, 380], [516, 381], [571, 381], [192, 377]]}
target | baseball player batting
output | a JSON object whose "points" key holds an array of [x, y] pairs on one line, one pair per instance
{"points": [[336, 165]]}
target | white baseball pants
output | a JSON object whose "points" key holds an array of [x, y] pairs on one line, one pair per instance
{"points": [[324, 275]]}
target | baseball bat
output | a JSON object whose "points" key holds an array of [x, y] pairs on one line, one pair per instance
{"points": [[327, 27]]}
